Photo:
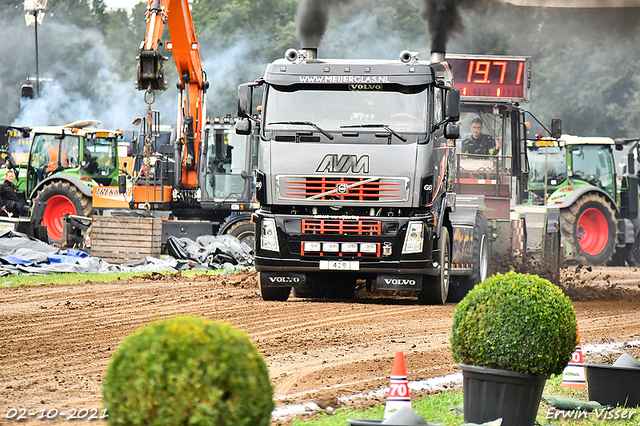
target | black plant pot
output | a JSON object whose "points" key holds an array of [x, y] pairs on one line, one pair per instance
{"points": [[490, 394], [613, 385]]}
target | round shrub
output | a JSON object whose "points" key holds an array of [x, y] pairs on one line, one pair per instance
{"points": [[516, 322], [187, 371]]}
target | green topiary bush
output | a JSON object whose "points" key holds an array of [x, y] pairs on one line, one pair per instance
{"points": [[187, 371], [516, 322]]}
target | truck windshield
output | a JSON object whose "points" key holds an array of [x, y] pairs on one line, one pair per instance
{"points": [[227, 156], [401, 108], [555, 159]]}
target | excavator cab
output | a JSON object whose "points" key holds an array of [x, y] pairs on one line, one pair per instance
{"points": [[230, 163]]}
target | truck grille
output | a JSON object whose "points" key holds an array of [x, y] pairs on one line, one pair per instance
{"points": [[345, 189], [341, 227]]}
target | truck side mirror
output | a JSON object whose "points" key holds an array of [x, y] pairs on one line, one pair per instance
{"points": [[556, 128], [245, 100], [243, 126], [452, 131], [452, 107]]}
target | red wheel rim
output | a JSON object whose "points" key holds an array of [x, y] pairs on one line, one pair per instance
{"points": [[57, 207], [592, 231]]}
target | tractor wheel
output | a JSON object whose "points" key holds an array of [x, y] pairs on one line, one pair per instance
{"points": [[589, 225], [333, 286], [633, 253], [279, 294], [245, 231], [435, 289], [61, 198], [460, 285]]}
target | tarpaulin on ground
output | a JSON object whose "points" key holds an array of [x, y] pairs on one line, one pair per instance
{"points": [[21, 254], [211, 251]]}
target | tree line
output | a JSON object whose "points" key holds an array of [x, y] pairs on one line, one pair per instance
{"points": [[584, 60]]}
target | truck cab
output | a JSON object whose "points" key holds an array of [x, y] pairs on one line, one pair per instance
{"points": [[354, 175]]}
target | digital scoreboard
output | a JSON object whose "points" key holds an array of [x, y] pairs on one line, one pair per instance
{"points": [[487, 78]]}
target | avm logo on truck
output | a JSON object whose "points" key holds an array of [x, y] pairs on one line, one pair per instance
{"points": [[335, 163]]}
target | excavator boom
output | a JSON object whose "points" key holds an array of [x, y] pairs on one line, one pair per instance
{"points": [[186, 53]]}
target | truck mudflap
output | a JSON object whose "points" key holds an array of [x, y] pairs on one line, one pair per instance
{"points": [[398, 282], [283, 279], [537, 231], [462, 250]]}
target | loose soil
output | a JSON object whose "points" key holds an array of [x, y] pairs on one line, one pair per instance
{"points": [[56, 340]]}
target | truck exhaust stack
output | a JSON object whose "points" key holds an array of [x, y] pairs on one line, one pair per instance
{"points": [[302, 55], [312, 53], [437, 56]]}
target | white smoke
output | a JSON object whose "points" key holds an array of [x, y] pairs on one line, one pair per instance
{"points": [[83, 81]]}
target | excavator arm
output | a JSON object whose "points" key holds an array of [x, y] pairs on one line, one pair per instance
{"points": [[192, 85]]}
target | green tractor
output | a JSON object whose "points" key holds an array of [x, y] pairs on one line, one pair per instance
{"points": [[64, 164], [598, 205]]}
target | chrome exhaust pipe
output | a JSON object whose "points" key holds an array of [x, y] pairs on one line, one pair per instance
{"points": [[312, 53], [437, 56]]}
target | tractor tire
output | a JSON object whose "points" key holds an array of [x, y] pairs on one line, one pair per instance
{"points": [[60, 198], [460, 285], [590, 225], [278, 294], [633, 253], [436, 289], [245, 231], [332, 286]]}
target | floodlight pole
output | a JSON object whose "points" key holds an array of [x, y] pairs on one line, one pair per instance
{"points": [[35, 17]]}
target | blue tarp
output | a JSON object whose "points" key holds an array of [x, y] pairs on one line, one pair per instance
{"points": [[21, 254]]}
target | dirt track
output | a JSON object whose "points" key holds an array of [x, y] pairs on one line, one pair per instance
{"points": [[56, 341]]}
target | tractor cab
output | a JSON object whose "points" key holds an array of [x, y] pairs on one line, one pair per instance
{"points": [[89, 154], [560, 166]]}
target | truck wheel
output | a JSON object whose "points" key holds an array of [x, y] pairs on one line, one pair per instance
{"points": [[61, 198], [589, 225], [460, 285], [435, 289], [279, 294], [245, 231]]}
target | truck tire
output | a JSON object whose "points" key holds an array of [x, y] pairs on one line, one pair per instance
{"points": [[332, 286], [460, 285], [589, 225], [60, 198], [278, 294], [245, 231], [435, 289]]}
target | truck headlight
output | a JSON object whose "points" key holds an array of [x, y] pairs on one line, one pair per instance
{"points": [[311, 246], [269, 237], [331, 247], [413, 241], [369, 248], [349, 247]]}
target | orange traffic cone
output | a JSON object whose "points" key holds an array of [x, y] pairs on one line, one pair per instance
{"points": [[573, 375], [398, 388]]}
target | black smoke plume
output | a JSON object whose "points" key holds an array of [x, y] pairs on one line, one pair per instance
{"points": [[444, 20], [312, 20]]}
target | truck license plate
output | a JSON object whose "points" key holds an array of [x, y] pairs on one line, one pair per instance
{"points": [[340, 265]]}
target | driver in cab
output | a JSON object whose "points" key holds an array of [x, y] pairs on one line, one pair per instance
{"points": [[53, 152], [479, 143]]}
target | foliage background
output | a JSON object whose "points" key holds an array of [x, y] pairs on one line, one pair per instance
{"points": [[584, 60]]}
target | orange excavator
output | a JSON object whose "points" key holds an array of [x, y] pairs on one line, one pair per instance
{"points": [[192, 85], [201, 182]]}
